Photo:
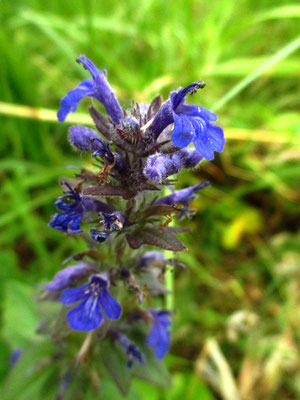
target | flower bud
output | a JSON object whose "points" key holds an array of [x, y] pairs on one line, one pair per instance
{"points": [[160, 166], [86, 139]]}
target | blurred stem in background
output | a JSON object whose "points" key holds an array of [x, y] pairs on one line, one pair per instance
{"points": [[43, 114]]}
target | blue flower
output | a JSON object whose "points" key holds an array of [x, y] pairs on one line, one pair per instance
{"points": [[15, 356], [159, 337], [99, 236], [182, 196], [73, 207], [157, 259], [134, 354], [192, 123], [69, 275], [152, 257], [132, 351], [97, 87], [112, 222], [87, 140], [95, 300]]}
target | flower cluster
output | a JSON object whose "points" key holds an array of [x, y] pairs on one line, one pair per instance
{"points": [[118, 200]]}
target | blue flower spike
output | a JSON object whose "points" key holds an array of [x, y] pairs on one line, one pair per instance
{"points": [[140, 151], [95, 300], [97, 87], [159, 337]]}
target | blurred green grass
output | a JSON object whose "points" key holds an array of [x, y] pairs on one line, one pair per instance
{"points": [[244, 243]]}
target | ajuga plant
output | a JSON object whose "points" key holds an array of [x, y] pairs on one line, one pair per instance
{"points": [[112, 294]]}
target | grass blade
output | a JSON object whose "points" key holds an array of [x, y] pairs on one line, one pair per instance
{"points": [[276, 58]]}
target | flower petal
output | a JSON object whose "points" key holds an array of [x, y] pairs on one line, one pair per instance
{"points": [[183, 132], [208, 138], [159, 339], [68, 275], [162, 119], [70, 101], [196, 111], [132, 351], [152, 257], [182, 196], [86, 139], [178, 98], [102, 90], [89, 65], [163, 316], [216, 137], [110, 306], [70, 296], [62, 222], [87, 315], [92, 204], [75, 225]]}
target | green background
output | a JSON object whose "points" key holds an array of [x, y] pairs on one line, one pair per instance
{"points": [[236, 327]]}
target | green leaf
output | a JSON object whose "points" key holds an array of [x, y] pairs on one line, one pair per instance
{"points": [[8, 259], [189, 386], [28, 379], [165, 239], [116, 363], [287, 11], [153, 371], [109, 191], [20, 320]]}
